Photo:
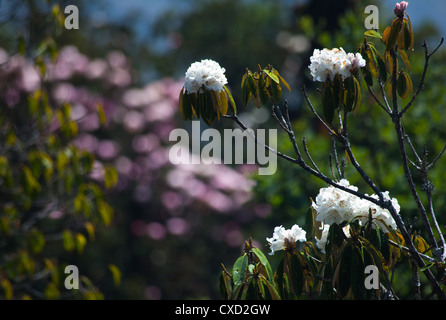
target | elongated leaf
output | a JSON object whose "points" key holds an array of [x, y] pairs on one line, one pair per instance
{"points": [[357, 273], [328, 103], [373, 33], [296, 275], [385, 35], [282, 80], [231, 100], [344, 273], [276, 92], [263, 92], [271, 288], [405, 59], [273, 76], [116, 273], [225, 285], [222, 102], [367, 76], [239, 269], [393, 35], [264, 261], [281, 279]]}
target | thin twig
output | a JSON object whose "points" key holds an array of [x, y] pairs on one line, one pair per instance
{"points": [[427, 56], [335, 154], [304, 143], [386, 109]]}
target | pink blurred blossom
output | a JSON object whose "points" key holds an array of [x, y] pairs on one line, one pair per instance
{"points": [[145, 143], [134, 122], [123, 165], [171, 200], [156, 231], [87, 142], [96, 69], [177, 226], [108, 149]]}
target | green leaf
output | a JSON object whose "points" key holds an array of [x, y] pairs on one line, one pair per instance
{"points": [[101, 114], [264, 261], [344, 271], [110, 176], [393, 35], [68, 240], [296, 274], [263, 92], [239, 269], [80, 241], [282, 81], [231, 99], [222, 102], [36, 241], [281, 280], [405, 59], [8, 292], [402, 86], [426, 267], [373, 33], [116, 273], [225, 285], [357, 274], [336, 235], [328, 103], [51, 291], [105, 211], [185, 105], [271, 288], [273, 77]]}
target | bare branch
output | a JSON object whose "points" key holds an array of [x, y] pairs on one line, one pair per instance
{"points": [[427, 56]]}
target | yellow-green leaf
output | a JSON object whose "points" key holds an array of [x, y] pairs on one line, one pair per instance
{"points": [[68, 240], [222, 102], [116, 273], [90, 230], [231, 99], [81, 241], [101, 114], [373, 33], [272, 75], [7, 289]]}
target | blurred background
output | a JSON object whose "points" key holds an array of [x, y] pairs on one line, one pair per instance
{"points": [[173, 226]]}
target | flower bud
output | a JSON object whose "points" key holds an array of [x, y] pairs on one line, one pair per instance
{"points": [[400, 8]]}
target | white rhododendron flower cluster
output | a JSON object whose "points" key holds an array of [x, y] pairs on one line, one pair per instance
{"points": [[335, 206], [326, 64], [206, 73], [283, 237]]}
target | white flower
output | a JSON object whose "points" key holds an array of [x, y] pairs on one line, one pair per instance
{"points": [[207, 74], [334, 205], [320, 243], [325, 64], [356, 61], [282, 237], [380, 216]]}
